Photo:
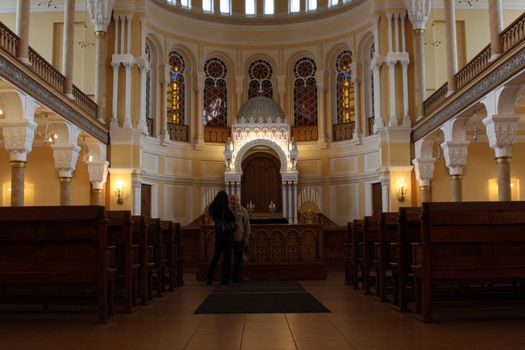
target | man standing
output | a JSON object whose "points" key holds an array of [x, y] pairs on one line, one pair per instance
{"points": [[240, 236]]}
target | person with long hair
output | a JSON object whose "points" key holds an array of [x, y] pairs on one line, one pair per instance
{"points": [[225, 226]]}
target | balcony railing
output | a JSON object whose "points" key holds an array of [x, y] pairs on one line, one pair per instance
{"points": [[178, 132], [344, 131], [512, 36], [216, 134], [305, 133], [9, 42]]}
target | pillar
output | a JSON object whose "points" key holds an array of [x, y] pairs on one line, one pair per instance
{"points": [[200, 106], [141, 123], [496, 27], [65, 157], [455, 153], [164, 133], [114, 110], [136, 187], [100, 12], [127, 114], [407, 122], [17, 182], [501, 131], [392, 80], [65, 191], [457, 188], [22, 29], [376, 76], [321, 123], [424, 168], [452, 50], [357, 103], [69, 38], [98, 172]]}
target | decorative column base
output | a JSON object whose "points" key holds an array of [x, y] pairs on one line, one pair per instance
{"points": [[503, 171], [65, 191], [457, 190], [17, 183]]}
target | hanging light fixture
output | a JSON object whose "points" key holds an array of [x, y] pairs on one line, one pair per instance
{"points": [[468, 2], [85, 156], [432, 42], [475, 128], [85, 43], [48, 4], [48, 135]]}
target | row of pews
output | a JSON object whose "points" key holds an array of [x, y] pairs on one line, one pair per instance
{"points": [[440, 257], [79, 255]]}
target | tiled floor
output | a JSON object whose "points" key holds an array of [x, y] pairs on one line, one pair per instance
{"points": [[355, 322]]}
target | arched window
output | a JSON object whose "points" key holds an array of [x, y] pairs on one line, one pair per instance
{"points": [[150, 121], [260, 74], [215, 94], [345, 88], [176, 89], [305, 92]]}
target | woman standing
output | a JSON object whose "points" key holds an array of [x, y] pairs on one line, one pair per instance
{"points": [[224, 228]]}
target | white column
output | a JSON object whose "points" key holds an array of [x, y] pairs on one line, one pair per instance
{"points": [[114, 110], [98, 172], [407, 123], [390, 45], [65, 157], [396, 37], [392, 80], [452, 51], [378, 117], [141, 122], [357, 103], [200, 106], [289, 185], [281, 89], [164, 135], [116, 18], [69, 37], [385, 192], [403, 36], [320, 108], [127, 115], [136, 184], [284, 201], [294, 199], [129, 19], [122, 20], [22, 29]]}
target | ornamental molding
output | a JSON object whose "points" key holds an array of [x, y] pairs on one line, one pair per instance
{"points": [[18, 139], [418, 12], [47, 98], [501, 132], [455, 156], [100, 12], [424, 169], [504, 72]]}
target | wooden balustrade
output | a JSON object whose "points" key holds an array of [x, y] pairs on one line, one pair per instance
{"points": [[216, 134], [434, 100], [46, 71], [344, 131], [178, 132], [85, 103], [513, 34], [305, 133], [474, 67], [8, 40]]}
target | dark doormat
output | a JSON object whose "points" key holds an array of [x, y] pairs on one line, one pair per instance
{"points": [[260, 297]]}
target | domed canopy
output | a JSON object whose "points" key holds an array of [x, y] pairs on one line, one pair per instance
{"points": [[261, 110]]}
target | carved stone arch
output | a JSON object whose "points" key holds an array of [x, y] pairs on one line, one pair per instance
{"points": [[241, 153]]}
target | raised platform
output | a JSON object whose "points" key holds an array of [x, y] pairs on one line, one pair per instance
{"points": [[278, 252]]}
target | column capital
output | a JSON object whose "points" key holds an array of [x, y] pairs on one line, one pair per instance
{"points": [[100, 12], [418, 12], [501, 131], [18, 139], [455, 156], [424, 169], [65, 159], [98, 173]]}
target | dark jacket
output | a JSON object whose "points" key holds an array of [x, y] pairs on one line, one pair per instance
{"points": [[218, 219]]}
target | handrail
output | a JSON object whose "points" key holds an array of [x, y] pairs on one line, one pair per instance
{"points": [[84, 102], [474, 67], [8, 40], [513, 34], [434, 100], [46, 71]]}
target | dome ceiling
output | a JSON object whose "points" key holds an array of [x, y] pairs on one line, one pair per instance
{"points": [[261, 110]]}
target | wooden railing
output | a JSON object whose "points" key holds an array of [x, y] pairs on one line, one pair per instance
{"points": [[216, 134], [305, 133], [8, 40], [513, 34], [85, 103], [473, 68], [178, 132], [434, 100], [46, 71], [344, 131]]}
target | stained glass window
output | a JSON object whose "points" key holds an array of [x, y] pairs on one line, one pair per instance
{"points": [[176, 89], [345, 88], [305, 92], [215, 93], [260, 74]]}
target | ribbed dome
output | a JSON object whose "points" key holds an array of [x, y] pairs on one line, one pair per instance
{"points": [[261, 110]]}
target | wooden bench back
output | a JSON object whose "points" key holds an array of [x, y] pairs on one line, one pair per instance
{"points": [[388, 226], [409, 224]]}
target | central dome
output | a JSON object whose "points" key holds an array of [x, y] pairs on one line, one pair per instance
{"points": [[261, 110]]}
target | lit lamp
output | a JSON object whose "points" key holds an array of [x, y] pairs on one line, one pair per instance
{"points": [[401, 189], [119, 192]]}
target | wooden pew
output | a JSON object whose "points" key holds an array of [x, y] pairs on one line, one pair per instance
{"points": [[43, 248], [169, 268], [178, 250], [388, 228], [367, 247], [158, 255], [401, 255], [357, 239], [476, 249], [120, 235], [349, 255], [140, 230]]}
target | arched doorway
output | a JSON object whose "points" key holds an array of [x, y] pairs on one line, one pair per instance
{"points": [[261, 182]]}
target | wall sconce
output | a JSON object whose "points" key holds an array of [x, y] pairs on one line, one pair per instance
{"points": [[401, 189], [119, 192]]}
